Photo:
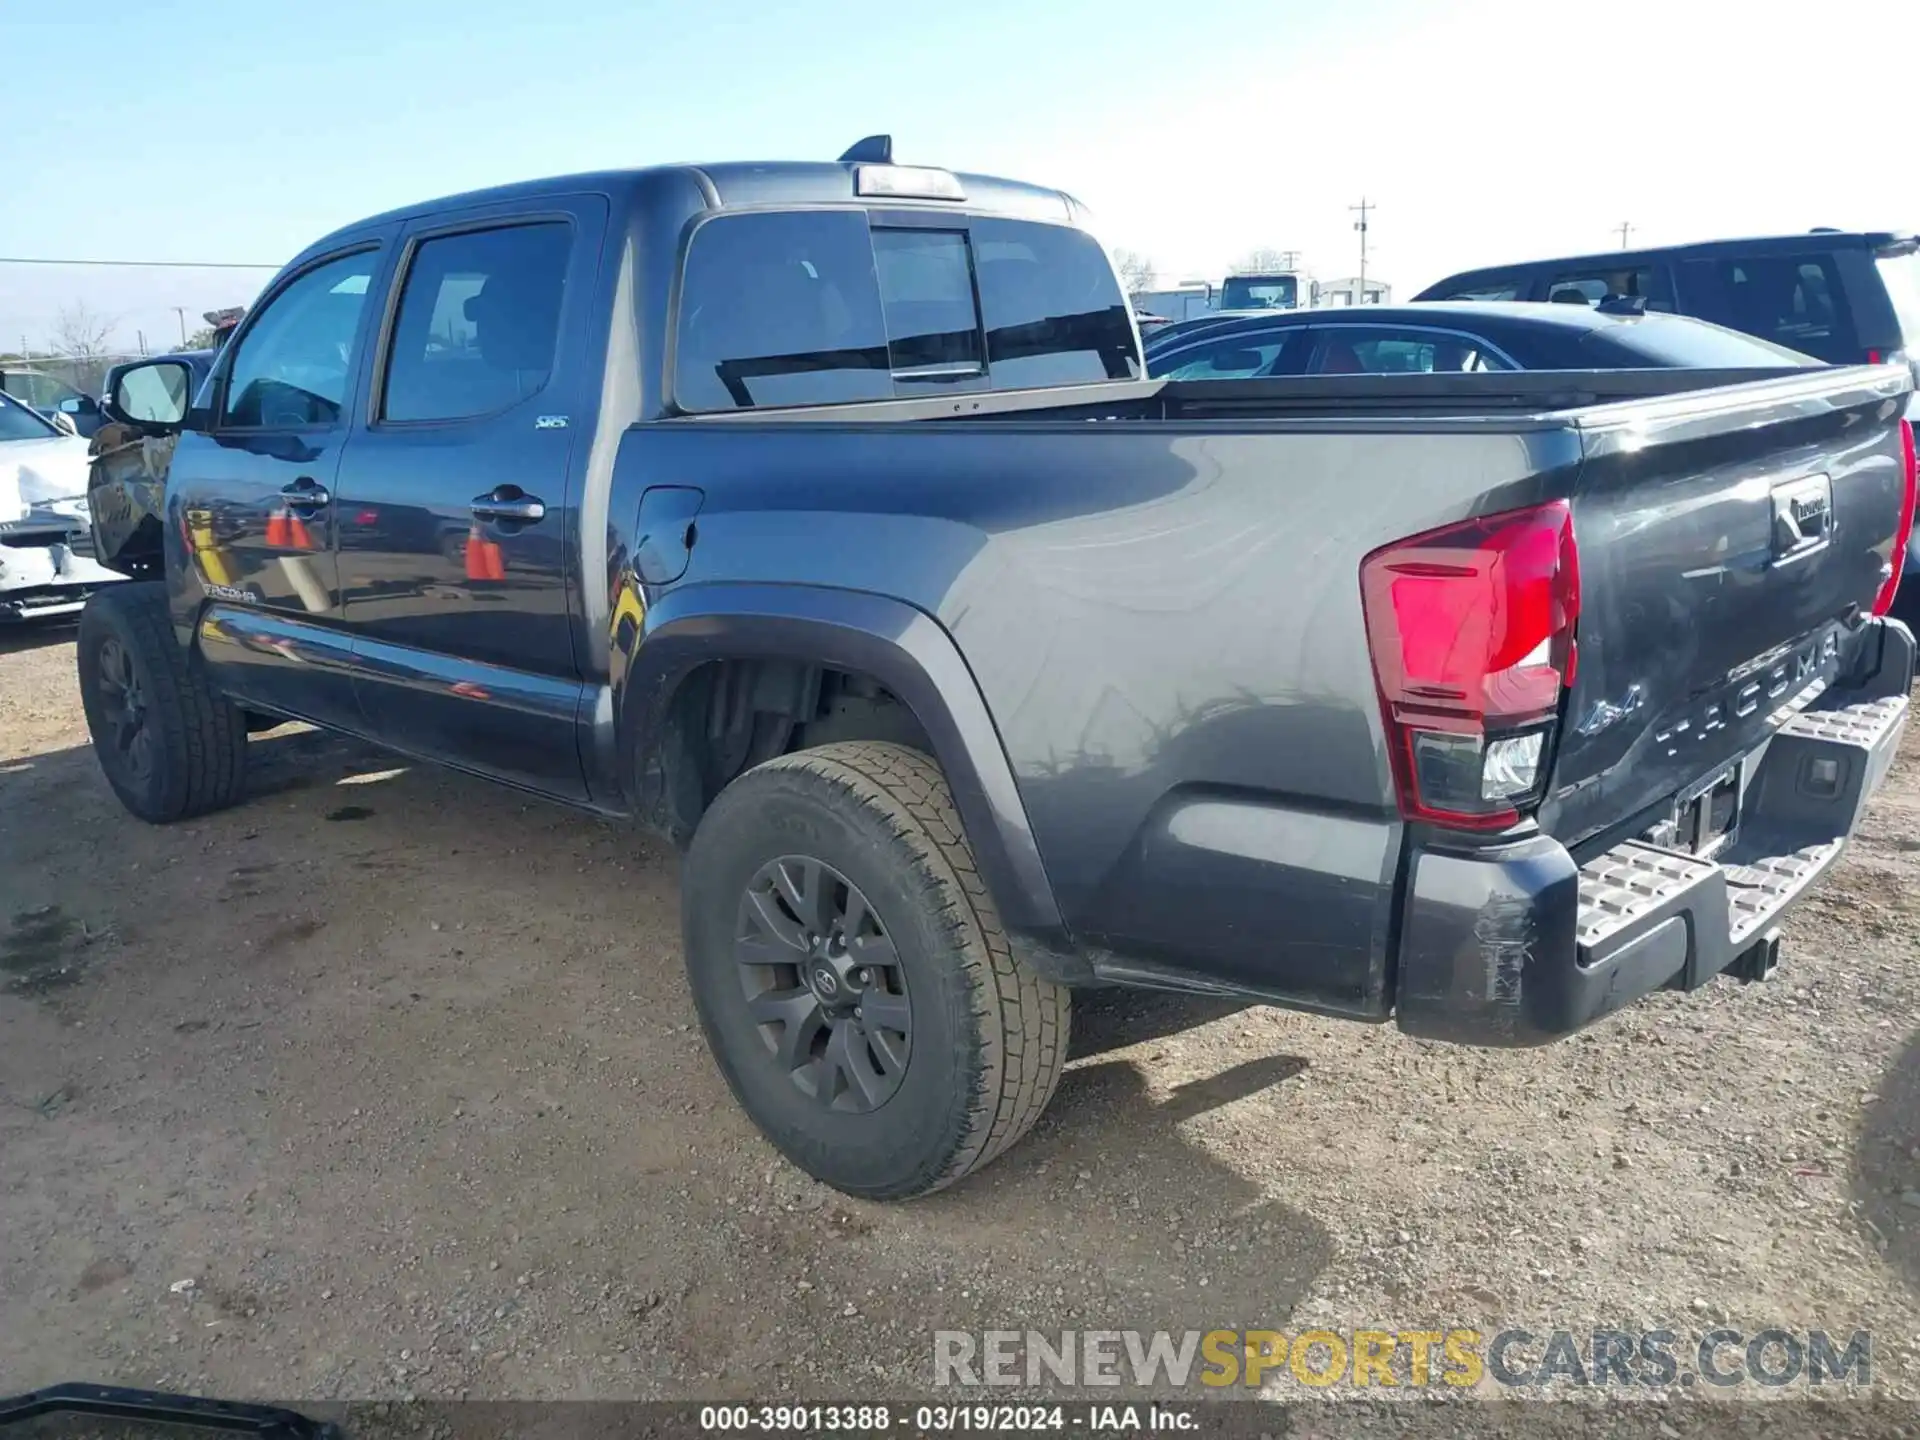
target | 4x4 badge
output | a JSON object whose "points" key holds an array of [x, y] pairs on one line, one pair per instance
{"points": [[1607, 713]]}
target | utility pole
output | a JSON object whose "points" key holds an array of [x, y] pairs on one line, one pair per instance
{"points": [[1362, 209], [1625, 227], [1289, 259], [181, 311]]}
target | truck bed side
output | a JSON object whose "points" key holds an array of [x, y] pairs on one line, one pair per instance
{"points": [[1163, 616]]}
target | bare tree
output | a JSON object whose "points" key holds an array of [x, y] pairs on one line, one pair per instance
{"points": [[1136, 270], [1267, 260], [80, 334]]}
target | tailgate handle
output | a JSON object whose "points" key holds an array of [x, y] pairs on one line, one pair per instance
{"points": [[1802, 516]]}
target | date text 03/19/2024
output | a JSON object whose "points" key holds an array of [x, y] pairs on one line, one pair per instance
{"points": [[980, 1419]]}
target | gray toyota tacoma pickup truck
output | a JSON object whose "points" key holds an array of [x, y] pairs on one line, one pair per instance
{"points": [[820, 516]]}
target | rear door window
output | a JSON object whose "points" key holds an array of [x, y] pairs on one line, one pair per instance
{"points": [[813, 308], [1792, 300], [479, 321]]}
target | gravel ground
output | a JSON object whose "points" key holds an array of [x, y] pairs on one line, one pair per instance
{"points": [[387, 1084]]}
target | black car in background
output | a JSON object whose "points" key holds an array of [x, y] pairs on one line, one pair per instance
{"points": [[1846, 297], [1452, 338]]}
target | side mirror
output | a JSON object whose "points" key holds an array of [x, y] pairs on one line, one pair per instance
{"points": [[153, 397], [63, 422]]}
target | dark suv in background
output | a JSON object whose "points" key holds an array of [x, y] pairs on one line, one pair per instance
{"points": [[1846, 298]]}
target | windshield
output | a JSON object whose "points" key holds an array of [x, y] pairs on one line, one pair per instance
{"points": [[17, 422], [1901, 275], [1260, 292]]}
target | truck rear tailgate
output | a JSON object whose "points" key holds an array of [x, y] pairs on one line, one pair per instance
{"points": [[1729, 541]]}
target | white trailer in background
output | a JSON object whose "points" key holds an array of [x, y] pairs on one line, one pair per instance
{"points": [[1354, 291], [1180, 302]]}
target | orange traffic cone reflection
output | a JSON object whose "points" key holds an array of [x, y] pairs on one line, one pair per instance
{"points": [[484, 561], [287, 531]]}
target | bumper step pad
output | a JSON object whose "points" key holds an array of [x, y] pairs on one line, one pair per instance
{"points": [[1760, 890], [1522, 943], [1630, 882], [1800, 807]]}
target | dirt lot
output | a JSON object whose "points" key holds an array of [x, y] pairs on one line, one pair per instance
{"points": [[399, 1070]]}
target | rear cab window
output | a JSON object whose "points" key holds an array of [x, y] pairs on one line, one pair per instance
{"points": [[834, 306]]}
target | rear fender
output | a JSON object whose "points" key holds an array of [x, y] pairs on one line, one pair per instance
{"points": [[901, 648]]}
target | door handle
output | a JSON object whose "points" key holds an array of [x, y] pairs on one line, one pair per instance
{"points": [[510, 504], [306, 493]]}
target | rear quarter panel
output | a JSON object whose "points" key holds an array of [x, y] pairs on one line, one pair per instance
{"points": [[1164, 620]]}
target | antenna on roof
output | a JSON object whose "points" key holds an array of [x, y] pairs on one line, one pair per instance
{"points": [[874, 150]]}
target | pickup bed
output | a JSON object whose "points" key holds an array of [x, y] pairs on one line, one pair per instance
{"points": [[818, 517]]}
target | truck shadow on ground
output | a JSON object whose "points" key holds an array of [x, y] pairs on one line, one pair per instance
{"points": [[278, 946], [36, 635], [1886, 1167]]}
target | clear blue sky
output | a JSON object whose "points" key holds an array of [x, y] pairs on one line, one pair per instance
{"points": [[1485, 130]]}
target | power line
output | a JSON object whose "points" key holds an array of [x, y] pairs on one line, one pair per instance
{"points": [[137, 264]]}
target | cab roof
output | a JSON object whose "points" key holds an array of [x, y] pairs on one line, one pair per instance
{"points": [[736, 185]]}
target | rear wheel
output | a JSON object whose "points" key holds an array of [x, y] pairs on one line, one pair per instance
{"points": [[169, 745], [852, 976]]}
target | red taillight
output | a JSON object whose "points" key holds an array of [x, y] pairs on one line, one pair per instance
{"points": [[1897, 558], [1472, 633], [1873, 357]]}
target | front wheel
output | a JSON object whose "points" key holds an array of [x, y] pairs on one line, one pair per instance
{"points": [[170, 746], [852, 976]]}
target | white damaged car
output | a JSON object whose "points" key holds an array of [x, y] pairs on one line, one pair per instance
{"points": [[46, 542]]}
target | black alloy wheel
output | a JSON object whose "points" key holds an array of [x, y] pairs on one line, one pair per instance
{"points": [[824, 983], [852, 977], [124, 710]]}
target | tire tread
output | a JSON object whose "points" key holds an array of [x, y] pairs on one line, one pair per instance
{"points": [[1021, 1018], [202, 736]]}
